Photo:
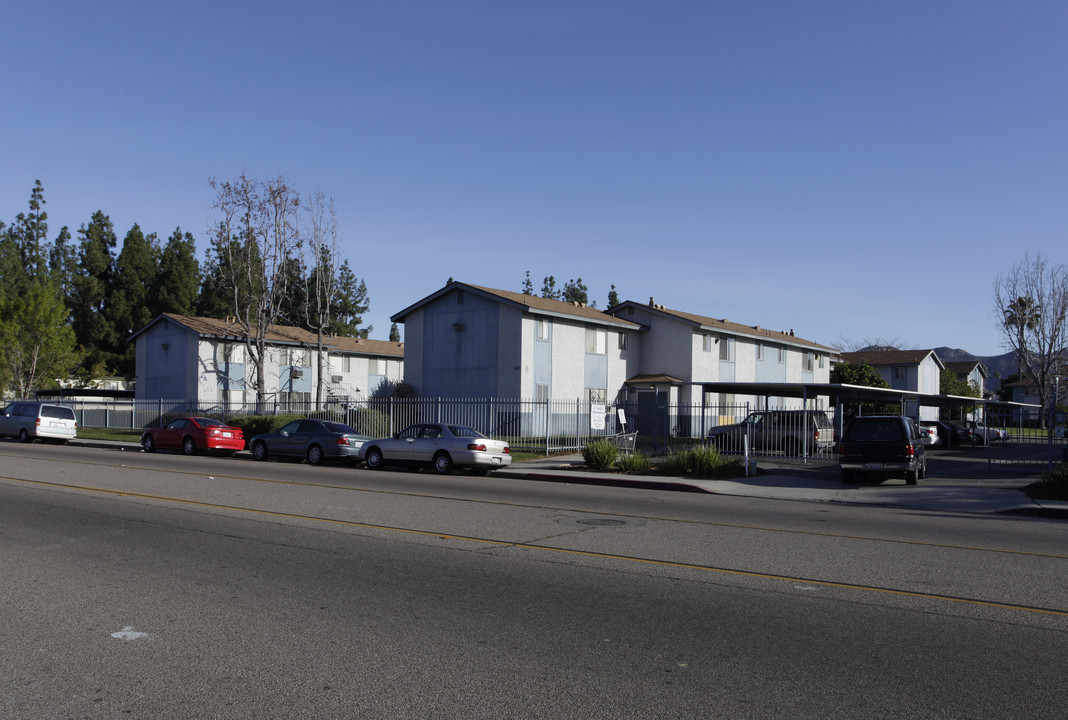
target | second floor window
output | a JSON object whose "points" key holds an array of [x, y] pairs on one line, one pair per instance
{"points": [[726, 349], [595, 342]]}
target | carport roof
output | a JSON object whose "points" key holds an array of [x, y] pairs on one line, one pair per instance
{"points": [[841, 392]]}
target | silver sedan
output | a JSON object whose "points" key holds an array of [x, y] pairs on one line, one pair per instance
{"points": [[441, 446]]}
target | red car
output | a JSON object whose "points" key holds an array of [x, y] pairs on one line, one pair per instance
{"points": [[192, 434]]}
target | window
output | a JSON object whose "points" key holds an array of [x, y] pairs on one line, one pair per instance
{"points": [[541, 393], [810, 361], [823, 361], [595, 341], [346, 364], [376, 366], [726, 349], [760, 351], [782, 355], [542, 332], [622, 341], [706, 343], [899, 373]]}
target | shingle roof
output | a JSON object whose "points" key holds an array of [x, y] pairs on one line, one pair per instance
{"points": [[888, 357], [963, 367], [285, 334], [532, 302], [732, 327]]}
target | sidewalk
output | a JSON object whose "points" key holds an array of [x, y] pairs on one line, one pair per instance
{"points": [[808, 483], [781, 482]]}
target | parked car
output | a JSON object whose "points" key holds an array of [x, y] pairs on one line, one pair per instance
{"points": [[929, 433], [36, 420], [788, 431], [441, 446], [194, 434], [314, 440], [959, 434], [983, 434], [882, 446]]}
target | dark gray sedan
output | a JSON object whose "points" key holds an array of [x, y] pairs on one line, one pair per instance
{"points": [[315, 440]]}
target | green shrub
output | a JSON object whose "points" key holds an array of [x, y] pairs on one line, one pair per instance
{"points": [[635, 462], [372, 423], [703, 461], [252, 425], [1055, 484], [600, 455]]}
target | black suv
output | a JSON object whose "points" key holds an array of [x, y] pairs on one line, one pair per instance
{"points": [[882, 446]]}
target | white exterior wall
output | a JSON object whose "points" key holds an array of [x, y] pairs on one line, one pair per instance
{"points": [[929, 376], [569, 360]]}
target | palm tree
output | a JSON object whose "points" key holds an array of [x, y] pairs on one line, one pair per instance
{"points": [[1024, 314]]}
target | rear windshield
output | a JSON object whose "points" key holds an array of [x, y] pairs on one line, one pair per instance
{"points": [[55, 411], [339, 428], [464, 432], [876, 430]]}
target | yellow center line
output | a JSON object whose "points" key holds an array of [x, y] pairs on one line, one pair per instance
{"points": [[548, 548]]}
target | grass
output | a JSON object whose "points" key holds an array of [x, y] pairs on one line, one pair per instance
{"points": [[119, 434]]}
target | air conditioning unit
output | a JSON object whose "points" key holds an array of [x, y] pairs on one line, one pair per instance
{"points": [[296, 374], [336, 378]]}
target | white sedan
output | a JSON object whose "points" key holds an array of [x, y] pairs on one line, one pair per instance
{"points": [[441, 446]]}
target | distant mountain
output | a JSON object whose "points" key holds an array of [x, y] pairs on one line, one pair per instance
{"points": [[997, 366]]}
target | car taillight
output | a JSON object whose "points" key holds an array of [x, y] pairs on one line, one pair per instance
{"points": [[507, 451], [343, 441], [477, 446], [910, 451]]}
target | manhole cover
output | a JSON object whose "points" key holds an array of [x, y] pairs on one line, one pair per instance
{"points": [[600, 522]]}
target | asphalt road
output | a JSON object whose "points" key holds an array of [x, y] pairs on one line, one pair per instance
{"points": [[160, 586]]}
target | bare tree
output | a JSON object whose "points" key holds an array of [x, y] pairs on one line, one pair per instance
{"points": [[1031, 307], [323, 248], [256, 242]]}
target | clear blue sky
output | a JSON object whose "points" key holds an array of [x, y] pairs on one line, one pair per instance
{"points": [[850, 170]]}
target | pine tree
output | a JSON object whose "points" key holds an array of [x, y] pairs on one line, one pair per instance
{"points": [[177, 282], [128, 309], [394, 333], [528, 286], [613, 297], [351, 304], [92, 285]]}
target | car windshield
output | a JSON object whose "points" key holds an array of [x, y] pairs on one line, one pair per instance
{"points": [[464, 432]]}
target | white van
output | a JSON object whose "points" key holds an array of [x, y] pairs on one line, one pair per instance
{"points": [[29, 420]]}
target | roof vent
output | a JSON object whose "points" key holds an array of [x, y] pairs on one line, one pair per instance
{"points": [[652, 303]]}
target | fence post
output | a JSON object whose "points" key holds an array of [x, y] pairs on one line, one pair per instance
{"points": [[547, 418]]}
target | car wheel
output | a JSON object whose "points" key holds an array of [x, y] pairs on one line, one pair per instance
{"points": [[24, 436], [189, 446], [259, 450], [912, 476], [374, 459], [148, 443], [442, 463], [923, 470], [315, 455]]}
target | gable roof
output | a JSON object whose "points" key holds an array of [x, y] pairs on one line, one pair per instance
{"points": [[964, 367], [726, 326], [877, 358], [528, 304], [278, 335]]}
